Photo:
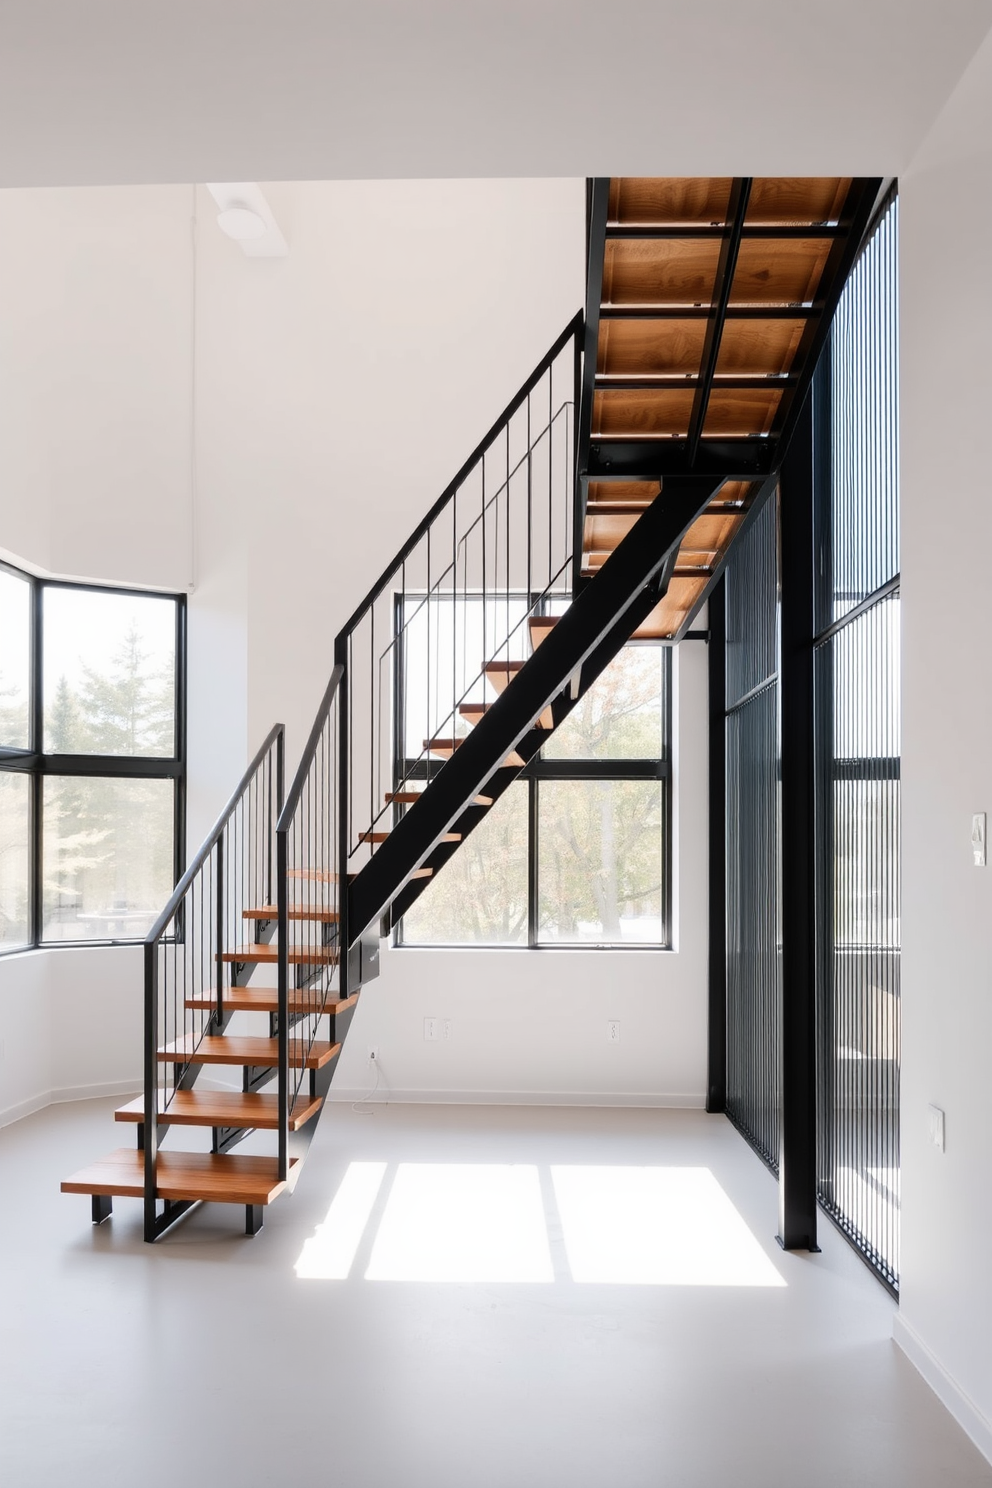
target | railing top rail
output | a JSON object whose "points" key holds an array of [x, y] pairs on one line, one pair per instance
{"points": [[310, 750], [213, 836], [574, 328]]}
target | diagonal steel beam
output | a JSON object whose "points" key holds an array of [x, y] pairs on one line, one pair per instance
{"points": [[598, 622]]}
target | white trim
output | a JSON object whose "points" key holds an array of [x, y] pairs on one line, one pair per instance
{"points": [[968, 1415], [94, 1092], [24, 1108], [67, 1093], [652, 1099]]}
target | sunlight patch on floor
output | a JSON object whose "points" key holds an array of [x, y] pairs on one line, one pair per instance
{"points": [[329, 1256], [489, 1222], [457, 1222], [656, 1227]]}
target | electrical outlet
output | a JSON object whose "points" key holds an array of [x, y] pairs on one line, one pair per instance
{"points": [[373, 1054], [613, 1030], [432, 1029], [446, 1028], [936, 1124]]}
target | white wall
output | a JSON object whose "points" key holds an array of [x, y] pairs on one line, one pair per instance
{"points": [[335, 393], [530, 1026], [946, 229]]}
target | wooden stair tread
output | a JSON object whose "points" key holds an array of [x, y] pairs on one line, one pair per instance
{"points": [[296, 912], [220, 1178], [540, 627], [446, 748], [269, 954], [501, 673], [472, 712], [266, 1000], [409, 798], [243, 1050], [377, 837], [234, 1108]]}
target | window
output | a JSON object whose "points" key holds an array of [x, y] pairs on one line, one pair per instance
{"points": [[576, 851], [91, 760]]}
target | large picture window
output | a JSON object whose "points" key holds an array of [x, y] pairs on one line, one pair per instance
{"points": [[92, 749], [577, 850]]}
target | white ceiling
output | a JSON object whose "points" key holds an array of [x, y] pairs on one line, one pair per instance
{"points": [[129, 91]]}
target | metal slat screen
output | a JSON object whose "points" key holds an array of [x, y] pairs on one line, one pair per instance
{"points": [[754, 968], [858, 768]]}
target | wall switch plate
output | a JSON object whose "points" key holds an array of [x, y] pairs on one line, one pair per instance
{"points": [[432, 1029], [979, 838], [935, 1117], [446, 1028], [613, 1030]]}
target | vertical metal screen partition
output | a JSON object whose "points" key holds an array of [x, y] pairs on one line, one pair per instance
{"points": [[753, 943], [858, 765]]}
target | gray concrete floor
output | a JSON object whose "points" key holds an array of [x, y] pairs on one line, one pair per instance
{"points": [[209, 1360]]}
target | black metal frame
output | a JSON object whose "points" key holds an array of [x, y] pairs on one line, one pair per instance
{"points": [[537, 769], [35, 763], [752, 457]]}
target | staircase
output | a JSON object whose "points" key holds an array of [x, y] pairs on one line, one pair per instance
{"points": [[600, 507]]}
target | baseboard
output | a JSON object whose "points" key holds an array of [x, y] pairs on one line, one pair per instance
{"points": [[24, 1108], [67, 1093], [638, 1099], [94, 1092], [968, 1415]]}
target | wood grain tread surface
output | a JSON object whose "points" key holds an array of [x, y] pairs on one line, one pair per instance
{"points": [[222, 1178]]}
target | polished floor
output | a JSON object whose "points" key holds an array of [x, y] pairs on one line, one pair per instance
{"points": [[482, 1297]]}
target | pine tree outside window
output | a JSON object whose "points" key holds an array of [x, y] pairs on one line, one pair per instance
{"points": [[92, 767]]}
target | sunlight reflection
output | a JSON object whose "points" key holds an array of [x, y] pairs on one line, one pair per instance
{"points": [[331, 1252], [457, 1222], [656, 1227], [486, 1222]]}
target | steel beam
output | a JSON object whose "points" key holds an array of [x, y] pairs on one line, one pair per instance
{"points": [[797, 1134]]}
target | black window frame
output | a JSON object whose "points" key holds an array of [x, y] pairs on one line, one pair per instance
{"points": [[39, 766], [540, 769]]}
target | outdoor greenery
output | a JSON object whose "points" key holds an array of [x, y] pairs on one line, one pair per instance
{"points": [[600, 842], [107, 842]]}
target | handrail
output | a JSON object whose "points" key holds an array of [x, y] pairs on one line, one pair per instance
{"points": [[503, 528], [309, 751], [276, 734], [308, 847], [186, 971], [572, 329]]}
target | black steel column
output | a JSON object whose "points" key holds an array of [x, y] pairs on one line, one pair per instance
{"points": [[716, 1059], [797, 1142]]}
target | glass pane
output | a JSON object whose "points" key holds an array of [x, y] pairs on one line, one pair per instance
{"points": [[620, 716], [14, 798], [480, 895], [600, 861], [109, 666], [445, 646], [15, 659], [107, 856]]}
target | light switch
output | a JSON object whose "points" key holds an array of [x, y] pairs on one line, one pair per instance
{"points": [[978, 838], [936, 1124]]}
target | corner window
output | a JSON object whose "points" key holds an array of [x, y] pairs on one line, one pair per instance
{"points": [[91, 760]]}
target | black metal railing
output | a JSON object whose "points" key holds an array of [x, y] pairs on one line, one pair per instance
{"points": [[211, 912], [311, 903], [413, 655]]}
